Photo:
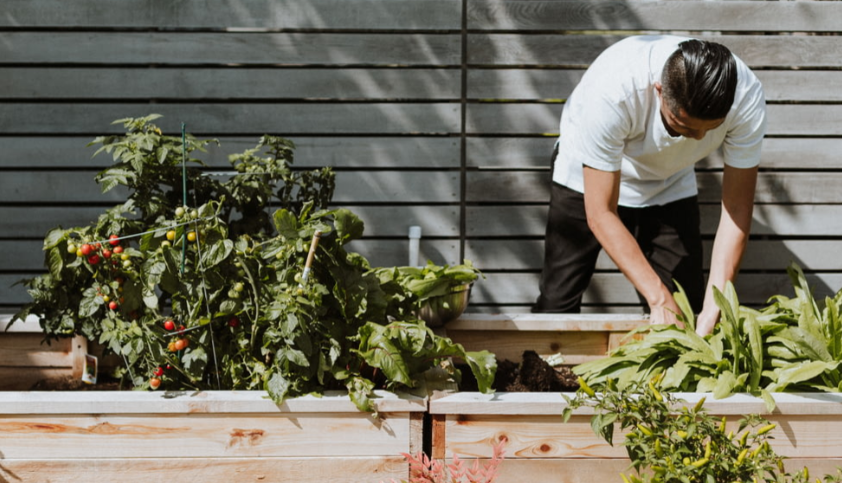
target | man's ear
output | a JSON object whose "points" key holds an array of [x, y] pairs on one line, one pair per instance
{"points": [[658, 88]]}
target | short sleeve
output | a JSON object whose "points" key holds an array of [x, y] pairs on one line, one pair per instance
{"points": [[742, 144]]}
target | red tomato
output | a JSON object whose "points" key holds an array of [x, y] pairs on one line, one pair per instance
{"points": [[93, 259], [159, 371], [106, 253], [86, 249], [234, 322], [114, 240], [113, 305], [154, 383], [118, 249], [169, 325], [181, 344]]}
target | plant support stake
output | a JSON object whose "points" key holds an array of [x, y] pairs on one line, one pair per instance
{"points": [[310, 256]]}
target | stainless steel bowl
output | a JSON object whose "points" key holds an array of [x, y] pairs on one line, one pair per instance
{"points": [[440, 310]]}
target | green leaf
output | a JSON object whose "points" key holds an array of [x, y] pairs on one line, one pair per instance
{"points": [[348, 225], [278, 387], [286, 224], [483, 365], [216, 253], [803, 372], [55, 262]]}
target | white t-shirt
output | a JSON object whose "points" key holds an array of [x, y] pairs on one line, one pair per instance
{"points": [[612, 122]]}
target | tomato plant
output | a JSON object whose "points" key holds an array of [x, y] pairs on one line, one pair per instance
{"points": [[226, 272]]}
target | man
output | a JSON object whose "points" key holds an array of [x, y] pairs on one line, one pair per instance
{"points": [[644, 113]]}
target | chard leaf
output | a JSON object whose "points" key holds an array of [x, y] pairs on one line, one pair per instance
{"points": [[803, 372], [483, 365]]}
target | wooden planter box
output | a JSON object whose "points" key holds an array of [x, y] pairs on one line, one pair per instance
{"points": [[541, 447], [577, 337], [213, 436], [25, 359]]}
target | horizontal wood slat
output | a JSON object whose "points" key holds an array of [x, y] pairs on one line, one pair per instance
{"points": [[614, 288], [580, 50], [774, 255], [558, 84], [282, 119], [221, 48], [336, 151], [650, 15], [351, 187], [347, 469], [534, 187], [254, 14], [534, 152], [534, 119], [778, 220], [228, 83]]}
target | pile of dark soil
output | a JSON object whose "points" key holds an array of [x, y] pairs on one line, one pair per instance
{"points": [[533, 374]]}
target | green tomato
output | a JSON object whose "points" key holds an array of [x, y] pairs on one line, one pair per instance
{"points": [[179, 212]]}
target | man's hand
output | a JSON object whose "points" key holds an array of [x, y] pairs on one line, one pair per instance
{"points": [[665, 314], [707, 320]]}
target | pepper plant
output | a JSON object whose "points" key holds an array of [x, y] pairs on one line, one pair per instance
{"points": [[214, 295], [669, 441]]}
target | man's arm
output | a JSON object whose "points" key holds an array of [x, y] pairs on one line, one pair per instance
{"points": [[738, 186], [602, 192]]}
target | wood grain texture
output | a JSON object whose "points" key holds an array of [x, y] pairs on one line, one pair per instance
{"points": [[220, 48], [254, 14], [336, 469], [653, 15]]}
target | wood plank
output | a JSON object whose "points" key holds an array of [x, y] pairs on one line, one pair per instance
{"points": [[210, 403], [29, 350], [542, 119], [500, 186], [517, 254], [547, 322], [558, 84], [518, 49], [615, 289], [180, 83], [585, 470], [234, 435], [286, 120], [534, 152], [777, 220], [653, 15], [390, 253], [380, 220], [250, 48], [335, 469], [575, 347], [254, 14], [336, 151]]}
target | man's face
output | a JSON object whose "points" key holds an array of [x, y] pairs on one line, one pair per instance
{"points": [[681, 124]]}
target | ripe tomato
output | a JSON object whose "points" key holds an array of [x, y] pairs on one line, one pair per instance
{"points": [[113, 305], [171, 347], [234, 322], [93, 259], [106, 253], [118, 249], [154, 383], [191, 237], [181, 344], [169, 325], [159, 371], [86, 249], [114, 240], [171, 235]]}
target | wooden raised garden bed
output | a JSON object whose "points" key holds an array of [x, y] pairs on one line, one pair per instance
{"points": [[541, 447], [214, 436]]}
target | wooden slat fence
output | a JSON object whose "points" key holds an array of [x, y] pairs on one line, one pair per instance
{"points": [[438, 113]]}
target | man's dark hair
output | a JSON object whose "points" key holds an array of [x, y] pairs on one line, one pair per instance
{"points": [[701, 78]]}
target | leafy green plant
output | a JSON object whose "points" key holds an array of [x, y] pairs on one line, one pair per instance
{"points": [[215, 295], [423, 469], [793, 344], [670, 442]]}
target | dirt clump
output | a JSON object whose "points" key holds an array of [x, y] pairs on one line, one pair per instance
{"points": [[532, 374]]}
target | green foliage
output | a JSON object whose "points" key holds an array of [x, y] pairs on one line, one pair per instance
{"points": [[230, 278], [793, 344], [671, 442]]}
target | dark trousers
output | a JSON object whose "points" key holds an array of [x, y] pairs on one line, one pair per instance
{"points": [[668, 235]]}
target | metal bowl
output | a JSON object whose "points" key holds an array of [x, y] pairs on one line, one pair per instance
{"points": [[442, 309]]}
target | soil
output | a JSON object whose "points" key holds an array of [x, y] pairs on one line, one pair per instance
{"points": [[533, 374]]}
